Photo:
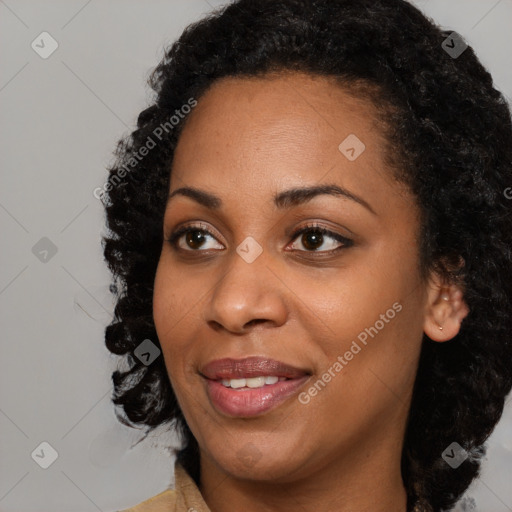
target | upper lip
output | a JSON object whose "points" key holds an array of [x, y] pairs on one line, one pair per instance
{"points": [[249, 367]]}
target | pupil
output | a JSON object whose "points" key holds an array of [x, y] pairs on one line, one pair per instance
{"points": [[195, 237], [312, 235]]}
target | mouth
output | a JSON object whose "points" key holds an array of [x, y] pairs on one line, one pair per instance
{"points": [[251, 386]]}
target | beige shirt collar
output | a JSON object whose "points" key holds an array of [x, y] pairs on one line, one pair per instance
{"points": [[185, 497], [188, 496]]}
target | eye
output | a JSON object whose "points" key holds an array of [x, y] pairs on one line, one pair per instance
{"points": [[313, 236], [195, 236]]}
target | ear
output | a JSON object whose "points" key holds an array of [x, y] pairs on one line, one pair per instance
{"points": [[445, 309]]}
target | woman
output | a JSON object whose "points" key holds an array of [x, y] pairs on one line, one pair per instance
{"points": [[311, 236]]}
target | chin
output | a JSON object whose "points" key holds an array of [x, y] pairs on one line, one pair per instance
{"points": [[253, 461]]}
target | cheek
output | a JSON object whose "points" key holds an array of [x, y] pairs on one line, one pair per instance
{"points": [[375, 319], [369, 370], [174, 298], [178, 304], [164, 309], [366, 296], [172, 307]]}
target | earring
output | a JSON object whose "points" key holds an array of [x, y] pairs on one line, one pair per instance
{"points": [[440, 328]]}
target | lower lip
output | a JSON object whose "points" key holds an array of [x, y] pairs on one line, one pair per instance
{"points": [[247, 402]]}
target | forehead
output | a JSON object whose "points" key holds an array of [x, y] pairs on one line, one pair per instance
{"points": [[252, 135], [299, 108]]}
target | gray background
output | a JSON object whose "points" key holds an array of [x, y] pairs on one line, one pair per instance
{"points": [[61, 118]]}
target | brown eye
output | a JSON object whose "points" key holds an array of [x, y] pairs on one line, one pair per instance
{"points": [[315, 236], [194, 238], [312, 240]]}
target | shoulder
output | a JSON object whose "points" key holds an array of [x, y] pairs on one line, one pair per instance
{"points": [[163, 502]]}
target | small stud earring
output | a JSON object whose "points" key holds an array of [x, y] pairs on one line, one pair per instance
{"points": [[440, 328]]}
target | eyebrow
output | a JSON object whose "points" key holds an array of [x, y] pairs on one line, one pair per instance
{"points": [[283, 200]]}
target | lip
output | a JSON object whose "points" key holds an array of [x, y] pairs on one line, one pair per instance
{"points": [[249, 402], [250, 367]]}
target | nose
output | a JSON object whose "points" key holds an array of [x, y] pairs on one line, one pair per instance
{"points": [[247, 294]]}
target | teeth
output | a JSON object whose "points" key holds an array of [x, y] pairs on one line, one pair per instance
{"points": [[252, 382], [255, 382], [237, 383]]}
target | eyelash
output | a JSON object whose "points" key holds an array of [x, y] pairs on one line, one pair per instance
{"points": [[174, 237]]}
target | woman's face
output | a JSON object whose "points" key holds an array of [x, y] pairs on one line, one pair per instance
{"points": [[342, 311]]}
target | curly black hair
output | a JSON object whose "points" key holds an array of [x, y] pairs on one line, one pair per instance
{"points": [[450, 140]]}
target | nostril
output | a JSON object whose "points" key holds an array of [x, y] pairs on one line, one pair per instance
{"points": [[252, 322]]}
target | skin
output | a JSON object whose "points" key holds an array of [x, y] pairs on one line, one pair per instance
{"points": [[246, 140]]}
